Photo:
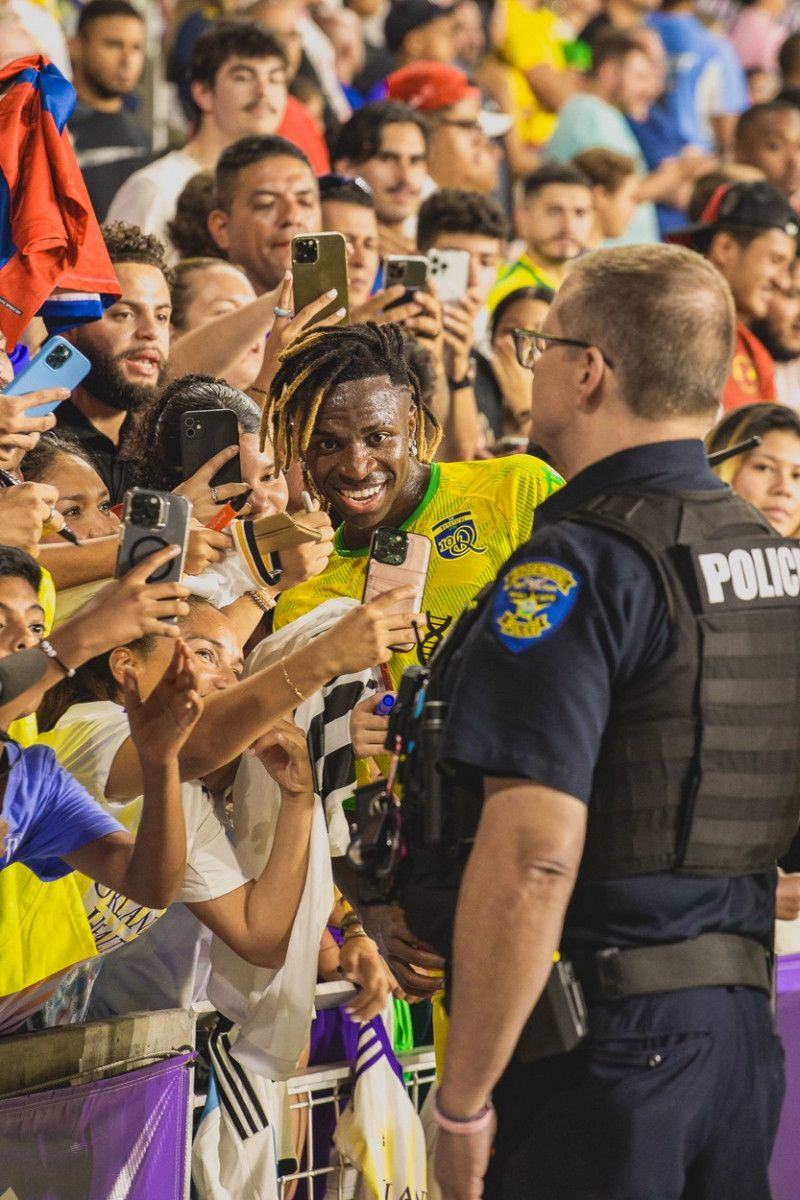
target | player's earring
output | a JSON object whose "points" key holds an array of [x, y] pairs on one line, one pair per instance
{"points": [[413, 449]]}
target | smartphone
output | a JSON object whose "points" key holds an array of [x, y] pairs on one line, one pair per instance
{"points": [[319, 263], [204, 433], [55, 364], [449, 270], [397, 558], [409, 269], [150, 521]]}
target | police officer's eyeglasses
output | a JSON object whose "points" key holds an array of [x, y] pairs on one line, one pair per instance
{"points": [[530, 345]]}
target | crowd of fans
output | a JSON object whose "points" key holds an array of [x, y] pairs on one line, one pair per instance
{"points": [[193, 747]]}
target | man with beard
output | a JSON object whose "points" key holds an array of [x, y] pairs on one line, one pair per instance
{"points": [[107, 61], [555, 220], [387, 145], [779, 331], [128, 349]]}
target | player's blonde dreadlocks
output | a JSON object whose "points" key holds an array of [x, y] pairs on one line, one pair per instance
{"points": [[317, 362]]}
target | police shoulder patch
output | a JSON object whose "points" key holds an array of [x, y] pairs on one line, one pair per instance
{"points": [[532, 600]]}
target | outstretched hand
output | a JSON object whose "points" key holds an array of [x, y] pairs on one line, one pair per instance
{"points": [[161, 724]]}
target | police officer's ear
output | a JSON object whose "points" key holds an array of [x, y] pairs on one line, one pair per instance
{"points": [[592, 370]]}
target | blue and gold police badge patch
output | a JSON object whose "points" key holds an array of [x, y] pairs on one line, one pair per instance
{"points": [[533, 599], [456, 536]]}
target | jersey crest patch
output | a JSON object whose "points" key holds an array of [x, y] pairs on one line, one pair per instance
{"points": [[533, 599], [455, 536]]}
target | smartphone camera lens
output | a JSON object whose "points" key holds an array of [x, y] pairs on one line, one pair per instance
{"points": [[307, 251], [146, 510], [189, 432], [58, 356]]}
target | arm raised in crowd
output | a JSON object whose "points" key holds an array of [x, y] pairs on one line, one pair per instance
{"points": [[256, 920], [126, 609], [216, 347], [97, 558], [235, 718], [149, 867]]}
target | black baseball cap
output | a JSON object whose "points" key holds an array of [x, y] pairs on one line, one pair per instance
{"points": [[750, 204], [406, 15]]}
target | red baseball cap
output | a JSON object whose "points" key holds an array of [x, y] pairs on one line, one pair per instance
{"points": [[428, 86]]}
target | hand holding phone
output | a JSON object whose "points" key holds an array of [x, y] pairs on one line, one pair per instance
{"points": [[449, 270], [56, 365], [408, 270], [397, 558], [153, 521], [319, 265]]}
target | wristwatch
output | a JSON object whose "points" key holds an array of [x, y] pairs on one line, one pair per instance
{"points": [[468, 381]]}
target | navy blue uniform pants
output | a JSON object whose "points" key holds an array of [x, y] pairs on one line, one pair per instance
{"points": [[673, 1097]]}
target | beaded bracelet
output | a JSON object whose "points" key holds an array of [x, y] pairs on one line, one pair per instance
{"points": [[52, 653], [263, 599]]}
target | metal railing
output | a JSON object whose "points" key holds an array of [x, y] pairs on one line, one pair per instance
{"points": [[328, 1088]]}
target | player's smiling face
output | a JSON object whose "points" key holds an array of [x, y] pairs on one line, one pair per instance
{"points": [[361, 458]]}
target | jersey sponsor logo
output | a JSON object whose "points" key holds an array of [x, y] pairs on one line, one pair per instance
{"points": [[533, 599], [756, 574], [456, 536]]}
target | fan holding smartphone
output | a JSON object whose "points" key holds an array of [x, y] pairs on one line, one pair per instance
{"points": [[397, 558], [27, 400]]}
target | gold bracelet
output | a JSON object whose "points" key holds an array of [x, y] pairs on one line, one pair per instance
{"points": [[292, 687], [348, 937], [262, 598]]}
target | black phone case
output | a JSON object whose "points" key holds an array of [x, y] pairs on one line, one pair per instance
{"points": [[204, 433]]}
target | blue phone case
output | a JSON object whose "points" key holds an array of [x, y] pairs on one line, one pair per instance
{"points": [[56, 364]]}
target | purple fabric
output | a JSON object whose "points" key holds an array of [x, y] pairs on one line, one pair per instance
{"points": [[119, 1137], [784, 1173]]}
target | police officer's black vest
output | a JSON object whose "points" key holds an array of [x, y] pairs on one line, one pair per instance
{"points": [[699, 767]]}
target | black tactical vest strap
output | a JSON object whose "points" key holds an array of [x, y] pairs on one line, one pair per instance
{"points": [[699, 767]]}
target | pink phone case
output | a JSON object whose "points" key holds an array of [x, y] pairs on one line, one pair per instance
{"points": [[382, 577]]}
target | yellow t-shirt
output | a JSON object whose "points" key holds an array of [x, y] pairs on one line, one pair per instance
{"points": [[531, 40], [55, 906], [476, 514]]}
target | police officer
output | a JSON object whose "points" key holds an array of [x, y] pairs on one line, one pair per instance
{"points": [[626, 703]]}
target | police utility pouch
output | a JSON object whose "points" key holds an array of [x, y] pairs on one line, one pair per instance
{"points": [[558, 1023]]}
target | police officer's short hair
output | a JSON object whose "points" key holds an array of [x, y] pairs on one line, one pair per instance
{"points": [[665, 318]]}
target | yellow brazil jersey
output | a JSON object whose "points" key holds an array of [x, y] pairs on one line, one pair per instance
{"points": [[521, 274], [475, 514]]}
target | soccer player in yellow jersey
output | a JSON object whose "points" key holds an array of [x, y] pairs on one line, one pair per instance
{"points": [[346, 404]]}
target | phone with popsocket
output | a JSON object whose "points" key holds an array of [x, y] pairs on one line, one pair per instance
{"points": [[151, 521]]}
